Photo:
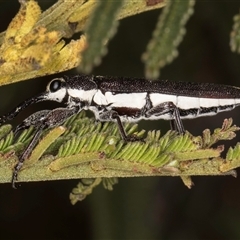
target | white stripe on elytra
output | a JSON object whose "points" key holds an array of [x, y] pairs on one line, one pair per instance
{"points": [[130, 100], [157, 98], [185, 103]]}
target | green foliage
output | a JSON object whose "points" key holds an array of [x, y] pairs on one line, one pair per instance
{"points": [[233, 153], [34, 44], [169, 32], [235, 34], [226, 132], [101, 28], [86, 149], [8, 141], [86, 186]]}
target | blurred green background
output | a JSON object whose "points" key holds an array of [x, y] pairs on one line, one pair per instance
{"points": [[138, 208]]}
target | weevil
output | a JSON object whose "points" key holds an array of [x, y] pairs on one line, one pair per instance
{"points": [[122, 99]]}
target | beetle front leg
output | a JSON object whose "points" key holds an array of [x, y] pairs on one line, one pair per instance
{"points": [[26, 154], [33, 120], [40, 120]]}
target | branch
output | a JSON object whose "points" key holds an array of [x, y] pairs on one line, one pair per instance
{"points": [[83, 149]]}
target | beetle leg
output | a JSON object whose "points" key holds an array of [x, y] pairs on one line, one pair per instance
{"points": [[168, 108], [40, 120]]}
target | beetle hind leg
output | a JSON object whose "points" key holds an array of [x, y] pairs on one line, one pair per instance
{"points": [[171, 109]]}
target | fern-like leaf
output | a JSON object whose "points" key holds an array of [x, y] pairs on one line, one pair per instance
{"points": [[169, 32], [101, 28]]}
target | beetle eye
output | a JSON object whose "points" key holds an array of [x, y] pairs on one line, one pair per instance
{"points": [[55, 85]]}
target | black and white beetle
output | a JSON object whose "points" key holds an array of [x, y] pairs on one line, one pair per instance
{"points": [[124, 99]]}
